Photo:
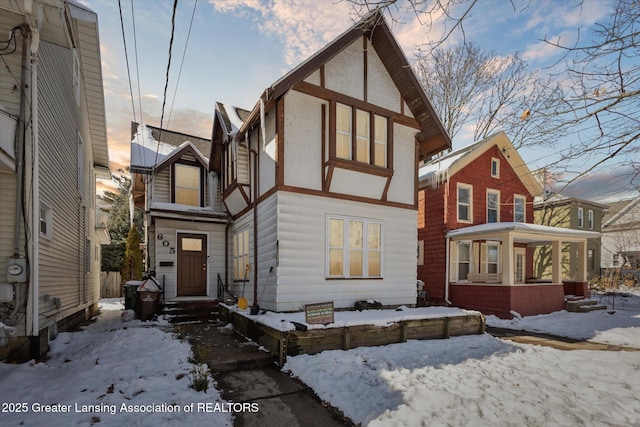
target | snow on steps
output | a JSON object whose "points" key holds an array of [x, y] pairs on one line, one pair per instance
{"points": [[584, 306]]}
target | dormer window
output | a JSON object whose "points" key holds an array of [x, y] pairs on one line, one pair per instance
{"points": [[361, 136], [187, 184]]}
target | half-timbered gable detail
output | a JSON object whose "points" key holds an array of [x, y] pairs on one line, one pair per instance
{"points": [[325, 208]]}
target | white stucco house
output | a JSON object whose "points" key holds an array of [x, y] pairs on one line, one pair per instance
{"points": [[320, 177]]}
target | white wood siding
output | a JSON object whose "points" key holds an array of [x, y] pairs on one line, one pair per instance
{"points": [[63, 268], [169, 230], [161, 190], [267, 251], [303, 135], [301, 223]]}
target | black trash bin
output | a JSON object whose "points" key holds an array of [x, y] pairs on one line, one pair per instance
{"points": [[130, 294], [148, 304]]}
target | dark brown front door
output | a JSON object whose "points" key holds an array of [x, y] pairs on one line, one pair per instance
{"points": [[192, 264]]}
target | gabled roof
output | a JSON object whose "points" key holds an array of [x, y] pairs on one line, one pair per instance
{"points": [[432, 138], [153, 148], [229, 117], [439, 169], [618, 209]]}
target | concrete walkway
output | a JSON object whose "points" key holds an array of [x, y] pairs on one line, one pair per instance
{"points": [[247, 374], [560, 343]]}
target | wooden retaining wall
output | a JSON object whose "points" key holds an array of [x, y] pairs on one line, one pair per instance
{"points": [[312, 341]]}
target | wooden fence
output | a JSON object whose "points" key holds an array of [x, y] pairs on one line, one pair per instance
{"points": [[110, 284]]}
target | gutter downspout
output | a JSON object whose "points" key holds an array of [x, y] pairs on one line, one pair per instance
{"points": [[447, 272]]}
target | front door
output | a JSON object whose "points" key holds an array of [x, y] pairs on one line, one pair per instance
{"points": [[192, 264]]}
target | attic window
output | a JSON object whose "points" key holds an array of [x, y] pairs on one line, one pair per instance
{"points": [[495, 167]]}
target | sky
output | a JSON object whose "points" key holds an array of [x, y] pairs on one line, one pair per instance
{"points": [[237, 48], [475, 380]]}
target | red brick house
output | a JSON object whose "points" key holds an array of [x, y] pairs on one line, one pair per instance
{"points": [[476, 234]]}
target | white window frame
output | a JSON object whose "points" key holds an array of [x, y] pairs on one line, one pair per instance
{"points": [[495, 167], [469, 205], [497, 209], [580, 218], [519, 200], [46, 218], [366, 250], [241, 252], [486, 261], [469, 261]]}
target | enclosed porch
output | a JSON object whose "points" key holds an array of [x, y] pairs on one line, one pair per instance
{"points": [[490, 268]]}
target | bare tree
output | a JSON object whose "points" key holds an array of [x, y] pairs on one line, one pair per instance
{"points": [[597, 110], [469, 86], [600, 106]]}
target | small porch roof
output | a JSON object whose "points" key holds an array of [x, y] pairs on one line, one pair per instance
{"points": [[521, 232]]}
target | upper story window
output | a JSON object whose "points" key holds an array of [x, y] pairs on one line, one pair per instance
{"points": [[236, 163], [465, 196], [580, 218], [519, 205], [187, 184], [495, 167], [493, 206], [590, 219], [361, 136]]}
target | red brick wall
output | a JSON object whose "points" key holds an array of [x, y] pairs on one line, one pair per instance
{"points": [[434, 221]]}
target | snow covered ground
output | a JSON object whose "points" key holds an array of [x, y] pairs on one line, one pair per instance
{"points": [[485, 381], [463, 381], [109, 374]]}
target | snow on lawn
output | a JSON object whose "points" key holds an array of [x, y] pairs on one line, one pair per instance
{"points": [[128, 373], [618, 325], [485, 381], [476, 381]]}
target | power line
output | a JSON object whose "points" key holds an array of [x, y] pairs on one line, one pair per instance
{"points": [[126, 56], [184, 53], [135, 45], [166, 82]]}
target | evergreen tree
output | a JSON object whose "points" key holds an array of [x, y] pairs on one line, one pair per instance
{"points": [[119, 222], [132, 264]]}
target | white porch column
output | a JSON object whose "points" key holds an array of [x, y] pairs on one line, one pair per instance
{"points": [[507, 259], [581, 274], [556, 261]]}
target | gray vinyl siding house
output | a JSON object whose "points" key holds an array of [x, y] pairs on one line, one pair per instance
{"points": [[55, 240]]}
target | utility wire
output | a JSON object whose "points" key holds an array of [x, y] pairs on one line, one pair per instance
{"points": [[135, 45], [184, 53], [126, 56], [166, 82]]}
